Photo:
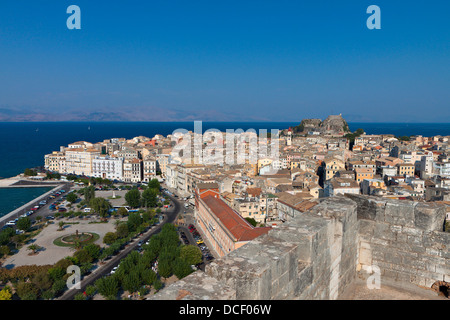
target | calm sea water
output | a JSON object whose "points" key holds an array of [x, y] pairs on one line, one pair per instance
{"points": [[13, 198], [23, 145]]}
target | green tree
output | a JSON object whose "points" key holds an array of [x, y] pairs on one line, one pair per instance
{"points": [[72, 197], [122, 211], [149, 197], [154, 184], [56, 273], [122, 230], [47, 294], [42, 281], [100, 206], [404, 138], [148, 276], [133, 198], [134, 221], [24, 223], [4, 250], [89, 193], [252, 221], [83, 256], [90, 291], [108, 287], [79, 296], [146, 216], [30, 172], [109, 238], [181, 268], [131, 281], [33, 247], [93, 250], [191, 254], [59, 286], [164, 268], [157, 284], [27, 290]]}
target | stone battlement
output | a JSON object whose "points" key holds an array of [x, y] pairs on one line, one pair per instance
{"points": [[318, 254]]}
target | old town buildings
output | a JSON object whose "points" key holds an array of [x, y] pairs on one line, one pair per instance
{"points": [[268, 181]]}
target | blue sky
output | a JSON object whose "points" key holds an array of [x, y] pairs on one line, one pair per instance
{"points": [[227, 60]]}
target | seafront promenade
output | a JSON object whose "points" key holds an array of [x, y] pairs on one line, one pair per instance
{"points": [[21, 182]]}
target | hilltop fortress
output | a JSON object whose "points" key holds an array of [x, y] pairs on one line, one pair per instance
{"points": [[320, 253], [333, 124]]}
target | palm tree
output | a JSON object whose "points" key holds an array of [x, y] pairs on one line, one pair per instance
{"points": [[61, 225], [33, 247]]}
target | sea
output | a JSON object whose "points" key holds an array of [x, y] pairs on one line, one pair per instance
{"points": [[24, 144]]}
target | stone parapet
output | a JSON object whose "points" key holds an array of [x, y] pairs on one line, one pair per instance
{"points": [[317, 254]]}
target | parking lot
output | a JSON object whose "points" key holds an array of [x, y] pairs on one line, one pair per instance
{"points": [[43, 207]]}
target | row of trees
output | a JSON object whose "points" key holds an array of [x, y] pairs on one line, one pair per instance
{"points": [[32, 282], [149, 197], [135, 272]]}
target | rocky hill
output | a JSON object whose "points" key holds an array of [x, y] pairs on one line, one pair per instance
{"points": [[333, 124]]}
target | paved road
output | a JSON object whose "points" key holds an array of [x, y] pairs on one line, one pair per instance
{"points": [[169, 217]]}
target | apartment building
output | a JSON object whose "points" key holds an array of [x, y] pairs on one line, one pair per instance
{"points": [[79, 160], [342, 186], [224, 229], [406, 169], [132, 170], [150, 167], [56, 162], [333, 165], [108, 167]]}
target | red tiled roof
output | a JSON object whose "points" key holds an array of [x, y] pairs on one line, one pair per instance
{"points": [[235, 223]]}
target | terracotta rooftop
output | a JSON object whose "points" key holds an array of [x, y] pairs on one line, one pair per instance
{"points": [[235, 223]]}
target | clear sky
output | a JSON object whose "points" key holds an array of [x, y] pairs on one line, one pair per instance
{"points": [[227, 60]]}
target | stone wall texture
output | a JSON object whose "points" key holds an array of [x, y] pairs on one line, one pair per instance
{"points": [[404, 239], [317, 254]]}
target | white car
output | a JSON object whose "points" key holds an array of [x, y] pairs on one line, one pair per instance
{"points": [[11, 223], [114, 270]]}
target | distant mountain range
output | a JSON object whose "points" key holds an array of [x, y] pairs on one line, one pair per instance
{"points": [[126, 114]]}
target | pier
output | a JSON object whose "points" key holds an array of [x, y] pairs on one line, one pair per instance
{"points": [[20, 182]]}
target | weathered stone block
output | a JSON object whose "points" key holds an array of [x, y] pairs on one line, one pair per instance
{"points": [[429, 216], [398, 212], [196, 286], [366, 229], [304, 279], [383, 231], [369, 208]]}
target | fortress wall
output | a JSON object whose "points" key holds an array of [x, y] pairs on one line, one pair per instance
{"points": [[313, 256], [404, 239], [316, 255]]}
